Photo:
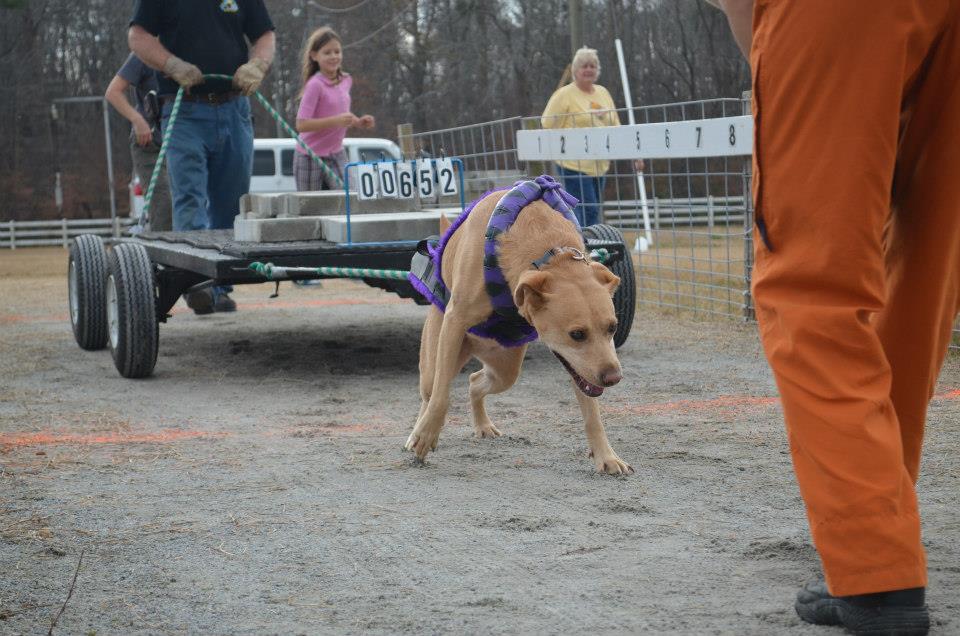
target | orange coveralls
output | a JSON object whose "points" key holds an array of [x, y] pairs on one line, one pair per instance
{"points": [[857, 277]]}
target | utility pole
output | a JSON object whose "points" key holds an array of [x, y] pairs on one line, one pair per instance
{"points": [[576, 25]]}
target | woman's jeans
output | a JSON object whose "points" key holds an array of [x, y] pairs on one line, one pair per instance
{"points": [[589, 190]]}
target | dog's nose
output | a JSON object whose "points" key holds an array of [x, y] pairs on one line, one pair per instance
{"points": [[610, 377]]}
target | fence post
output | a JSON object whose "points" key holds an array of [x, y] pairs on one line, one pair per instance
{"points": [[63, 231], [656, 213], [116, 226], [405, 137], [13, 235], [746, 176], [710, 213]]}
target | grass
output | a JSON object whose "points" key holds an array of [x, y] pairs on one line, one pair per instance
{"points": [[690, 271]]}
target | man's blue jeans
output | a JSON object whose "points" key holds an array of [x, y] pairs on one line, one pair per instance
{"points": [[589, 190], [209, 156]]}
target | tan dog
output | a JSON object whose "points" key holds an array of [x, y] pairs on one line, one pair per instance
{"points": [[568, 300]]}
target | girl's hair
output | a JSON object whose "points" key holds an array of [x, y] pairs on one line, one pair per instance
{"points": [[317, 40]]}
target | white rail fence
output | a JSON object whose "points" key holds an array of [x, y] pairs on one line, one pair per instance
{"points": [[708, 212], [14, 234]]}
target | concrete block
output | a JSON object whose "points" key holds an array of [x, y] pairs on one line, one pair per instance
{"points": [[384, 227], [264, 205], [246, 205], [332, 202], [277, 230]]}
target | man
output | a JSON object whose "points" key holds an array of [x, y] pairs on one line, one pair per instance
{"points": [[211, 150], [857, 276], [145, 138]]}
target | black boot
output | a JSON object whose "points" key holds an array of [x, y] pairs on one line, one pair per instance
{"points": [[896, 613]]}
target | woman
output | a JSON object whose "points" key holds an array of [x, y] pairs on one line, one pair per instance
{"points": [[324, 114], [583, 104]]}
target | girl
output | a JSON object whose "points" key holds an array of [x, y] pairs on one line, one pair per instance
{"points": [[324, 114]]}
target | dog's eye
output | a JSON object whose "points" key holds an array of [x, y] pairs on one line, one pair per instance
{"points": [[578, 335], [612, 329]]}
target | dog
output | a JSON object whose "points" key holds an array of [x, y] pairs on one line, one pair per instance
{"points": [[557, 293]]}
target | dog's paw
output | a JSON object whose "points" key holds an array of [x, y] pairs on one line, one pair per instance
{"points": [[421, 443], [612, 465], [488, 430]]}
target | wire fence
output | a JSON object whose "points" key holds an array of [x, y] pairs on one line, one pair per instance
{"points": [[692, 242]]}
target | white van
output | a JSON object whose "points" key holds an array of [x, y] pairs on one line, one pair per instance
{"points": [[273, 165], [273, 160]]}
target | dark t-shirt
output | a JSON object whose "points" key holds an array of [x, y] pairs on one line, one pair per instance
{"points": [[206, 33], [143, 79]]}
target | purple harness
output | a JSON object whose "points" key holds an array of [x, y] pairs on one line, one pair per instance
{"points": [[505, 324]]}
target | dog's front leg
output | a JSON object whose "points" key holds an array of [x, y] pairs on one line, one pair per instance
{"points": [[604, 458], [447, 363]]}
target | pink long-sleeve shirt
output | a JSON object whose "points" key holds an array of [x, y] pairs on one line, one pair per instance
{"points": [[324, 98]]}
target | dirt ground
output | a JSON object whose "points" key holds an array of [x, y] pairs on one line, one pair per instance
{"points": [[256, 483]]}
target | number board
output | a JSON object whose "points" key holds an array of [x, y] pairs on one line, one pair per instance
{"points": [[446, 177], [720, 137], [368, 182], [426, 182], [407, 179], [387, 180]]}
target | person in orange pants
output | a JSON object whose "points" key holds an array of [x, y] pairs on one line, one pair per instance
{"points": [[857, 278]]}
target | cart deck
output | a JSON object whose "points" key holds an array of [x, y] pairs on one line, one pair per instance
{"points": [[215, 254]]}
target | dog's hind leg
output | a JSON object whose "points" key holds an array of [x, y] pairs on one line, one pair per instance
{"points": [[604, 458], [447, 361], [501, 368]]}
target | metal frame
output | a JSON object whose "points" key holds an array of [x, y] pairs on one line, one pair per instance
{"points": [[109, 149]]}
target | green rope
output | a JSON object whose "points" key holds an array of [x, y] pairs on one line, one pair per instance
{"points": [[601, 255], [272, 272], [167, 133]]}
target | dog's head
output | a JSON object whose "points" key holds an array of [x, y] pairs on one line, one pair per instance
{"points": [[570, 304]]}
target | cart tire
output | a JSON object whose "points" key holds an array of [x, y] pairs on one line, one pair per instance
{"points": [[86, 278], [625, 298], [132, 311]]}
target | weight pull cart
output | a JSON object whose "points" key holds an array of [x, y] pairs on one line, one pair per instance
{"points": [[122, 289]]}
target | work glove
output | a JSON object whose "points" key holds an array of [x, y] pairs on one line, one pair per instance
{"points": [[183, 73], [248, 77]]}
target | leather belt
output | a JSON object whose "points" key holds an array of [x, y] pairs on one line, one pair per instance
{"points": [[205, 98]]}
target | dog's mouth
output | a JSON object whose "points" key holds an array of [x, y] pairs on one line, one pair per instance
{"points": [[589, 389]]}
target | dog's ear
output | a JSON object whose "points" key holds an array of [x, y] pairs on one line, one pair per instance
{"points": [[607, 278], [444, 223], [531, 292]]}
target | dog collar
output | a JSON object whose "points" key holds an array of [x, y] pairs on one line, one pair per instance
{"points": [[542, 262]]}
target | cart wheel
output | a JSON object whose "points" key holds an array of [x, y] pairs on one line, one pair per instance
{"points": [[86, 276], [131, 311], [625, 298]]}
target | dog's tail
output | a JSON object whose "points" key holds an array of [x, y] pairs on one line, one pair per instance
{"points": [[444, 223]]}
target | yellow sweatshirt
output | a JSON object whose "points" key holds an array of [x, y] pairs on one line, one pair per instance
{"points": [[570, 107]]}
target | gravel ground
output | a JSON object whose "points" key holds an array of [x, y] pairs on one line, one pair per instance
{"points": [[256, 483]]}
